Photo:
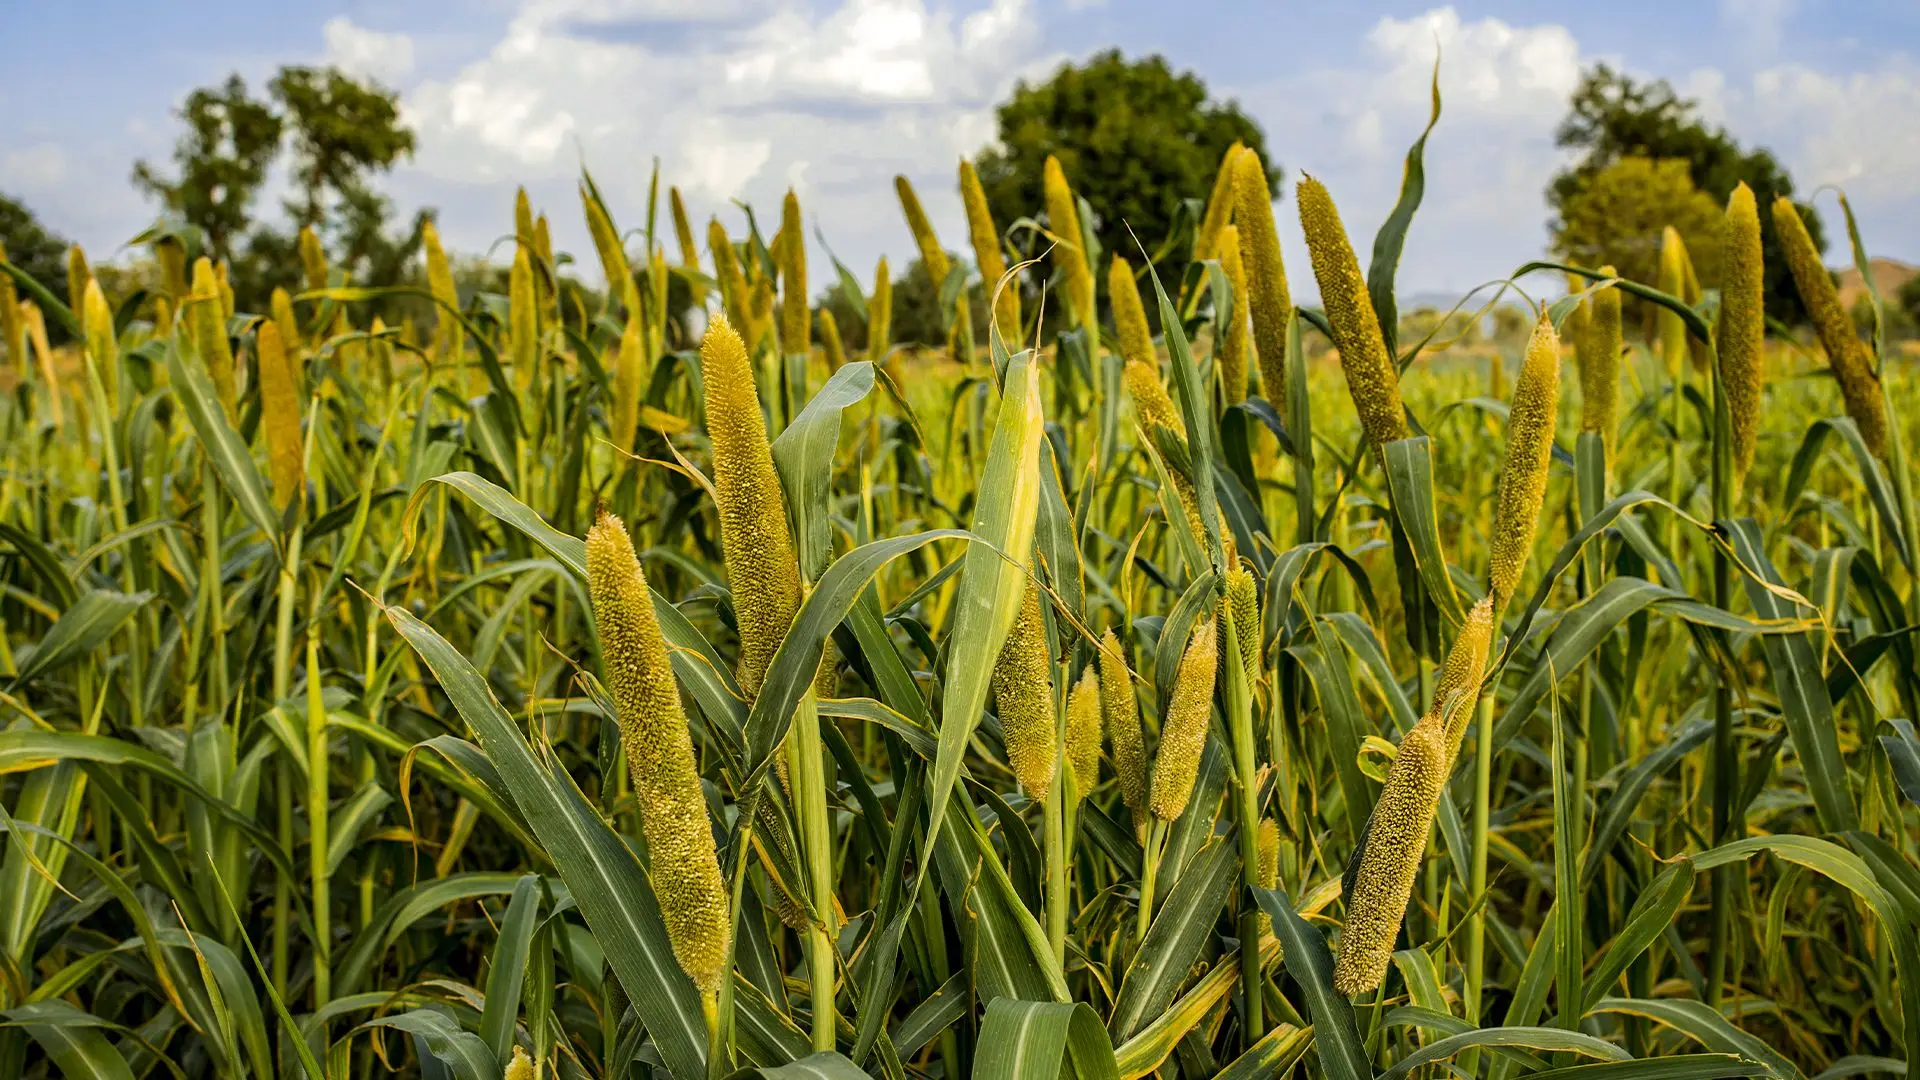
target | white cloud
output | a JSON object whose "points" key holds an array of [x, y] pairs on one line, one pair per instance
{"points": [[36, 167], [385, 57], [739, 101], [1503, 88]]}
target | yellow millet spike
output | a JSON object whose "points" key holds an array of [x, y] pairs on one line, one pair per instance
{"points": [[12, 327], [988, 255], [523, 320], [1599, 356], [1372, 379], [1396, 840], [1232, 364], [1673, 281], [1150, 398], [1243, 596], [880, 313], [683, 230], [78, 274], [760, 311], [931, 253], [280, 415], [726, 271], [520, 1068], [1269, 305], [762, 570], [1458, 690], [1743, 327], [796, 318], [313, 258], [1266, 871], [630, 363], [683, 865], [221, 279], [1130, 315], [1069, 251], [1183, 731], [280, 305], [1852, 360], [103, 345], [209, 325], [606, 243], [1083, 731], [543, 284], [449, 338], [1120, 715], [1219, 211], [1523, 475], [522, 220], [830, 343], [1023, 698]]}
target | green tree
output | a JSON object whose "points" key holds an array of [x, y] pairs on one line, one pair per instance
{"points": [[1135, 139], [32, 248], [1611, 116], [343, 130], [221, 161], [915, 318], [1617, 217]]}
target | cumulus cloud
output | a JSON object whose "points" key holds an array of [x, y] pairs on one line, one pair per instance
{"points": [[35, 167], [1503, 86], [737, 101], [382, 56]]}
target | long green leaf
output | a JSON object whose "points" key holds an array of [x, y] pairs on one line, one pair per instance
{"points": [[600, 870]]}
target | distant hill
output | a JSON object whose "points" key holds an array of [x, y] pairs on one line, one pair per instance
{"points": [[1888, 276]]}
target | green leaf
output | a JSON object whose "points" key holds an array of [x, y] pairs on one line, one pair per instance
{"points": [[92, 619], [1392, 237], [1902, 747], [825, 1065], [1409, 465], [1273, 1056], [600, 870], [1336, 1033], [1704, 1025], [509, 967], [1533, 1038], [790, 674], [1006, 505], [1181, 928], [1652, 913], [803, 454], [1801, 687], [461, 1051], [1035, 1040], [74, 1040], [224, 448], [1677, 1067]]}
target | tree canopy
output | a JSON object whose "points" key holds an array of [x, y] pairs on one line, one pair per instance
{"points": [[1613, 116], [31, 247], [1134, 137], [1617, 218], [339, 133]]}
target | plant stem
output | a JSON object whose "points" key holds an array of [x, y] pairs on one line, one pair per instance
{"points": [[1150, 857], [1053, 818], [282, 689], [317, 777], [807, 770]]}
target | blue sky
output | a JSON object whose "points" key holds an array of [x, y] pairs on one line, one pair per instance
{"points": [[741, 98]]}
